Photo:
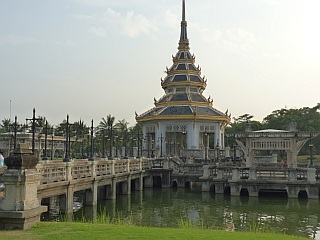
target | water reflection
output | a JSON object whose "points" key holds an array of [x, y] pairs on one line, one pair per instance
{"points": [[166, 207]]}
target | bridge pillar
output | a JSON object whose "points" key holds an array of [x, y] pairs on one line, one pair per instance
{"points": [[219, 188], [108, 189], [148, 182], [126, 186], [313, 192], [235, 189], [114, 189], [66, 201], [92, 195], [293, 191], [139, 183], [165, 181], [20, 208], [205, 186], [253, 191]]}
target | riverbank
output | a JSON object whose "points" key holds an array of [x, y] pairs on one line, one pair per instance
{"points": [[83, 231]]}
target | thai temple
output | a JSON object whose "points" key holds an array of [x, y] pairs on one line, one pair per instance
{"points": [[183, 122]]}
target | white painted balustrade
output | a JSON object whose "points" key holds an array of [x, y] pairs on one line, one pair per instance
{"points": [[58, 171]]}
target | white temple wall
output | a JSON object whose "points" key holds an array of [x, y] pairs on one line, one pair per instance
{"points": [[194, 134]]}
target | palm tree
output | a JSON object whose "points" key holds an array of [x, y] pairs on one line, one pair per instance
{"points": [[106, 125], [6, 125], [80, 129], [122, 127]]}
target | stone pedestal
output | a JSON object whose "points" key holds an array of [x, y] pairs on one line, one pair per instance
{"points": [[20, 208]]}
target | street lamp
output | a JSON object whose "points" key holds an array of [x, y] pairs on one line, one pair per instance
{"points": [[116, 145], [139, 143], [91, 148], [103, 144], [148, 142], [125, 138], [111, 142], [67, 156], [205, 146], [33, 119], [45, 142], [161, 140], [311, 152], [52, 144]]}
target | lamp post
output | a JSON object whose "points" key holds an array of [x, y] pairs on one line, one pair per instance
{"points": [[91, 148], [67, 156], [139, 144], [125, 138], [45, 142], [33, 119], [116, 146], [52, 144], [148, 142], [103, 144], [133, 139], [15, 133], [111, 142], [205, 146], [39, 130], [311, 152], [161, 140], [88, 142]]}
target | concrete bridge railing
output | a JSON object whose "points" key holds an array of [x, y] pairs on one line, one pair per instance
{"points": [[58, 171], [288, 174]]}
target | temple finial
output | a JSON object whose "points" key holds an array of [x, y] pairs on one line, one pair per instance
{"points": [[184, 42], [183, 10]]}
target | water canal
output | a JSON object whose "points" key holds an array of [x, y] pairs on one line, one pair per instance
{"points": [[166, 207]]}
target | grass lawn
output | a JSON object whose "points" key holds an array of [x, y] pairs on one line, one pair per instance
{"points": [[83, 231]]}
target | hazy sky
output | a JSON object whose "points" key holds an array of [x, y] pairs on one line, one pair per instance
{"points": [[91, 58]]}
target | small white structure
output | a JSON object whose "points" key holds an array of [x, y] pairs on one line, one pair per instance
{"points": [[54, 143], [291, 142]]}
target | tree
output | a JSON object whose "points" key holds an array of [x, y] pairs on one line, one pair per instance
{"points": [[6, 125], [106, 126], [79, 130]]}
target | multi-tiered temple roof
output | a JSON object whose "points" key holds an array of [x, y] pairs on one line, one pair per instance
{"points": [[183, 86]]}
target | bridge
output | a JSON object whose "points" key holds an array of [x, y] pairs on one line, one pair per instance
{"points": [[29, 182]]}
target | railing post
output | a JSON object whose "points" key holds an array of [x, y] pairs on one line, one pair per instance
{"points": [[252, 173], [140, 164], [69, 166], [206, 171], [235, 174], [292, 174], [220, 173], [165, 163], [112, 167], [128, 165], [311, 175]]}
